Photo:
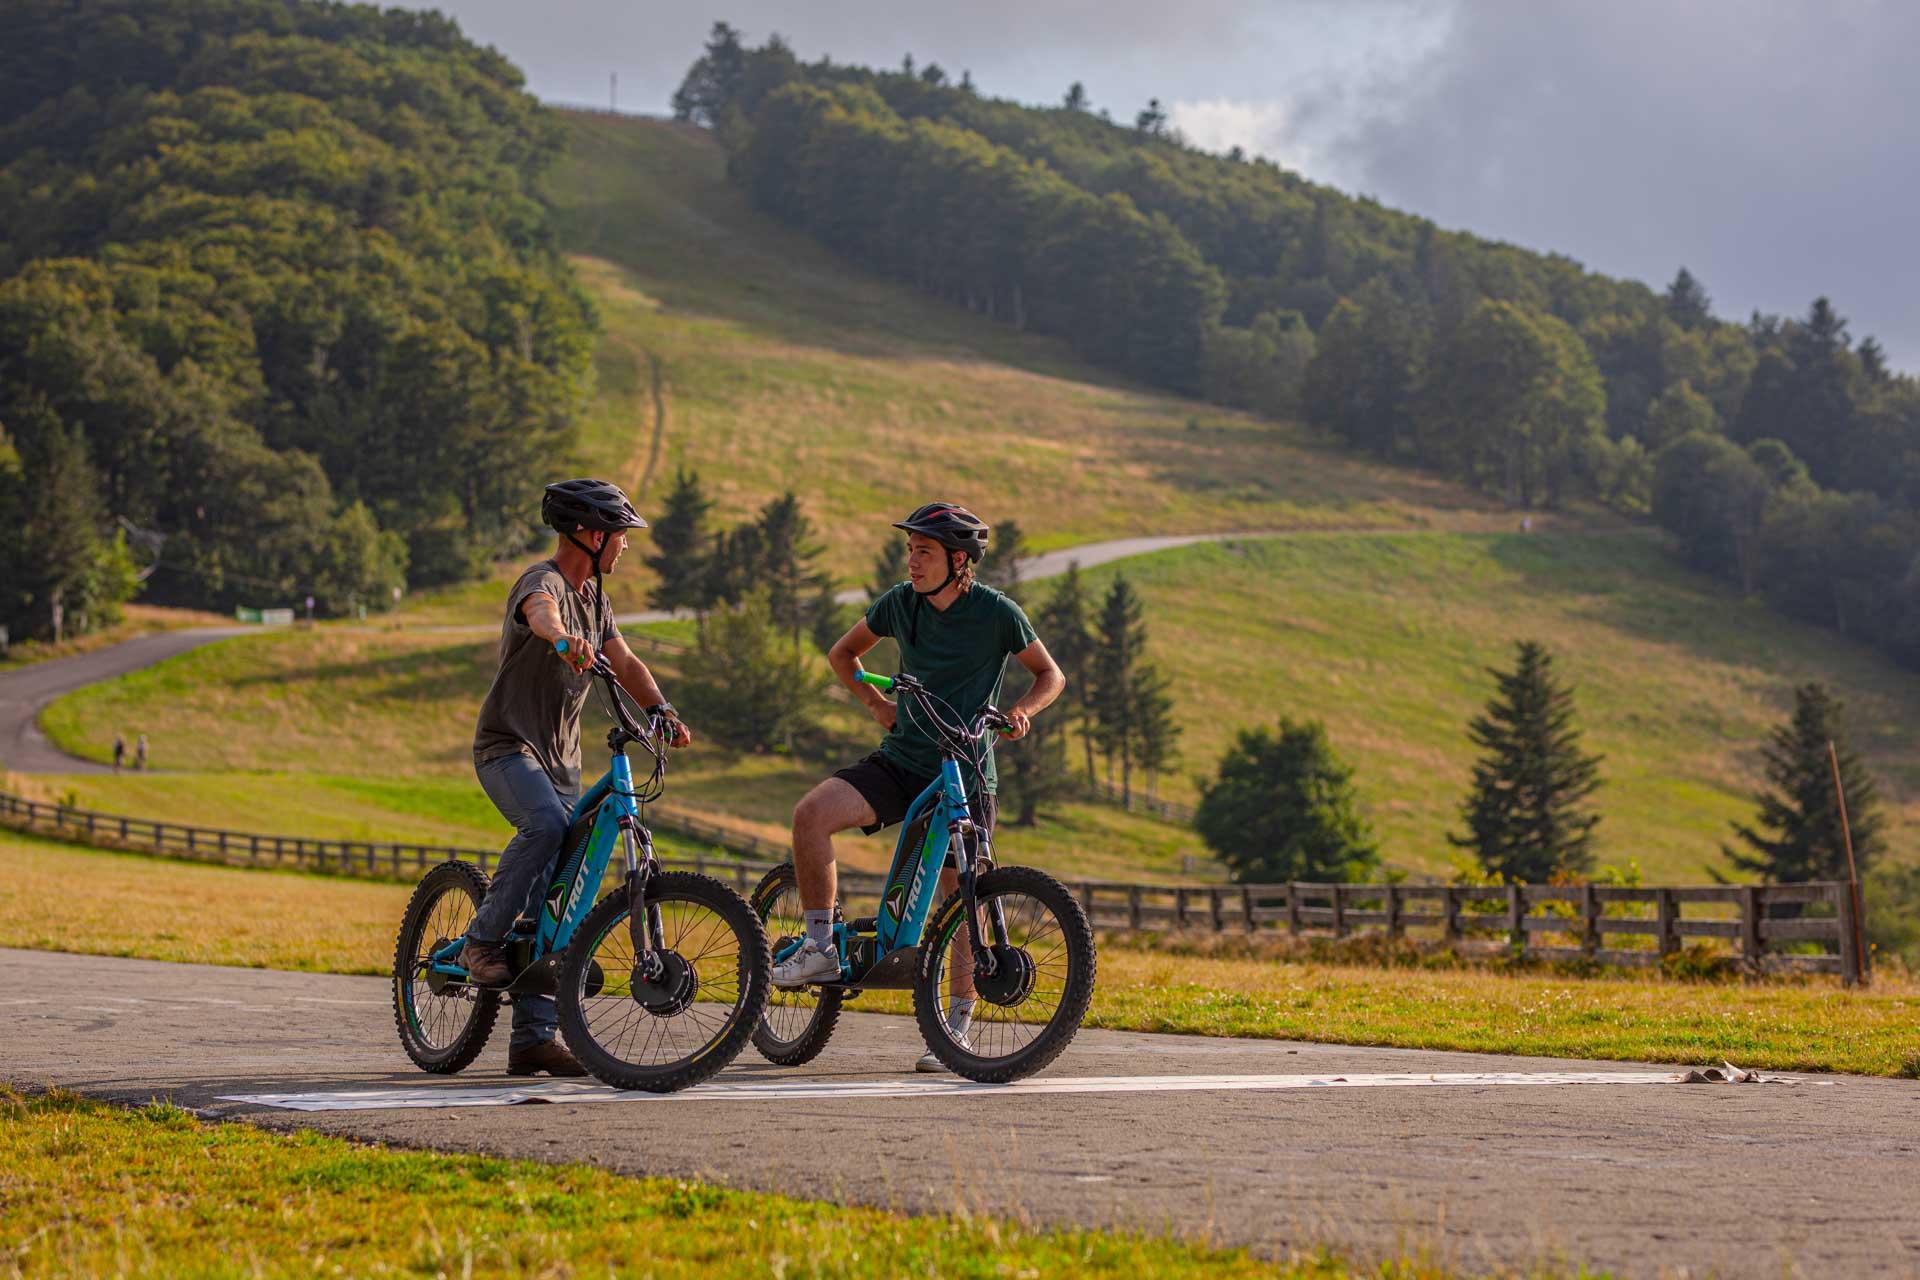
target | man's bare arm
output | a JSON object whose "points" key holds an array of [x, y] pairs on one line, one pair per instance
{"points": [[637, 680], [844, 658], [1048, 682], [542, 614]]}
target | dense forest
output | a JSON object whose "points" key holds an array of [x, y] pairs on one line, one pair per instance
{"points": [[1783, 455], [280, 311]]}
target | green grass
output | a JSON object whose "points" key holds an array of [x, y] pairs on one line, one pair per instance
{"points": [[58, 897], [1386, 638], [344, 733], [785, 367], [87, 1189]]}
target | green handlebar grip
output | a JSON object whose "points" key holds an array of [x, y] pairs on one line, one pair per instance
{"points": [[883, 683]]}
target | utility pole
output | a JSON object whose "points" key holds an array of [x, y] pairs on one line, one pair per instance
{"points": [[613, 91]]}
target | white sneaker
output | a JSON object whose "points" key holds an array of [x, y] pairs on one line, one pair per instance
{"points": [[811, 963], [959, 1026]]}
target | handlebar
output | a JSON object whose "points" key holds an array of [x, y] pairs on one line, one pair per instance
{"points": [[990, 718]]}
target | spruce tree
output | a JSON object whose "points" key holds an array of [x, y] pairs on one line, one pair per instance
{"points": [[787, 565], [681, 546], [1283, 807], [1799, 837], [1130, 709], [1001, 567], [1526, 815], [1062, 627], [1157, 734], [889, 568]]}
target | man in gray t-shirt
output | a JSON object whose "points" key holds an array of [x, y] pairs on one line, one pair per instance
{"points": [[526, 747]]}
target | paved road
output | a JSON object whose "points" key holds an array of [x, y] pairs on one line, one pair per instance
{"points": [[23, 693], [1814, 1176]]}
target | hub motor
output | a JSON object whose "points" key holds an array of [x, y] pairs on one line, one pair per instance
{"points": [[670, 991], [1012, 979]]}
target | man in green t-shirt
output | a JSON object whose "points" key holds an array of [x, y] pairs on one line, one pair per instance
{"points": [[954, 635]]}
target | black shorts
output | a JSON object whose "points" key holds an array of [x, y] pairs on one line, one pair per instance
{"points": [[889, 789]]}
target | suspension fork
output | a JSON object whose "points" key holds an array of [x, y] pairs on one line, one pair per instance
{"points": [[643, 918], [996, 915]]}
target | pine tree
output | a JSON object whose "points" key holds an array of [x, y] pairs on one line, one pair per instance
{"points": [[1687, 302], [1526, 816], [681, 545], [1076, 99], [889, 568], [1001, 566], [1033, 771], [788, 564], [1284, 808], [1062, 626], [1127, 694], [1158, 744], [1799, 815]]}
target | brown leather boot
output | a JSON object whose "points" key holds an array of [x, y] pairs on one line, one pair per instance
{"points": [[549, 1056], [486, 963]]}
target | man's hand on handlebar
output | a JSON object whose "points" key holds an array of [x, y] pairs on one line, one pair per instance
{"points": [[1019, 723], [678, 734], [575, 651]]}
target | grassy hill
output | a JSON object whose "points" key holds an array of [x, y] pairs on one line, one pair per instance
{"points": [[776, 365]]}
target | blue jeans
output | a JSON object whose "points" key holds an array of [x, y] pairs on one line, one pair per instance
{"points": [[539, 812]]}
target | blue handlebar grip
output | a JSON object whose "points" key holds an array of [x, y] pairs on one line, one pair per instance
{"points": [[560, 645]]}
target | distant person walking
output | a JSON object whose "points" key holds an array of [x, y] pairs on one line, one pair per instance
{"points": [[119, 752], [140, 753]]}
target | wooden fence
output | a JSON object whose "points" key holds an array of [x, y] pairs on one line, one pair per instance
{"points": [[1604, 924]]}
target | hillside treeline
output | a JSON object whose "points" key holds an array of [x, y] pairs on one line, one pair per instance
{"points": [[280, 312], [1784, 455]]}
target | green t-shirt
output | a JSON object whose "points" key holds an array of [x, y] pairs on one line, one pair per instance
{"points": [[958, 654]]}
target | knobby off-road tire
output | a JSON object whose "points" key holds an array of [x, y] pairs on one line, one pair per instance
{"points": [[798, 1023], [1011, 1043], [441, 1033], [621, 1041]]}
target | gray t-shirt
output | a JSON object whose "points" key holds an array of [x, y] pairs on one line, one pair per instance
{"points": [[533, 708]]}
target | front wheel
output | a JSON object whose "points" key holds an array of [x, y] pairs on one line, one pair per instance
{"points": [[1023, 1014], [687, 1011], [443, 1022]]}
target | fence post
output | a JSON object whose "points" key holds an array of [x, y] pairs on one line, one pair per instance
{"points": [[1215, 906], [1180, 908], [1449, 915], [1750, 927], [1246, 908], [1339, 911], [1084, 892], [1516, 913], [1589, 921], [1669, 913], [1852, 963], [1133, 906], [1394, 928]]}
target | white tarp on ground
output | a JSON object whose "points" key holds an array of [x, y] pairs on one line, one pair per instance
{"points": [[562, 1091]]}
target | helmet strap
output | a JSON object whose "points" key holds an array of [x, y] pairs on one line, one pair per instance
{"points": [[599, 583]]}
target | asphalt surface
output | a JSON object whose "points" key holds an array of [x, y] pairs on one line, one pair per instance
{"points": [[1815, 1175], [24, 692]]}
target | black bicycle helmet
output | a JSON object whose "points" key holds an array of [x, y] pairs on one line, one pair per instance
{"points": [[951, 526], [590, 505]]}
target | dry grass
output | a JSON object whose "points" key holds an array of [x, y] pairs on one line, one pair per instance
{"points": [[54, 897]]}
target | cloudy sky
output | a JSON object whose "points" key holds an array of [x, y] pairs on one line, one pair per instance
{"points": [[1772, 146]]}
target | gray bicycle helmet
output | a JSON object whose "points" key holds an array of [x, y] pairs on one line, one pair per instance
{"points": [[573, 506], [952, 526]]}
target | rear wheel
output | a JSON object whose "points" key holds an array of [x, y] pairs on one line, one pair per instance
{"points": [[1026, 1012], [797, 1023], [443, 1022], [687, 1011]]}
